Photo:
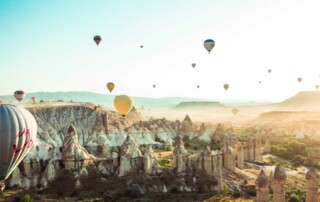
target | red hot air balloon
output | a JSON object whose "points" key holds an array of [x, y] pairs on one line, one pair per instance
{"points": [[33, 99], [19, 95]]}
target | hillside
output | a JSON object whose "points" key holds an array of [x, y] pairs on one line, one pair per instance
{"points": [[96, 98], [194, 105], [107, 99], [305, 100]]}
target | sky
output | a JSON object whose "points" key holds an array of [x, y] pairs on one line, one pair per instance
{"points": [[47, 46]]}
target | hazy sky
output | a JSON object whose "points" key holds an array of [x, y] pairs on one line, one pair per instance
{"points": [[48, 46]]}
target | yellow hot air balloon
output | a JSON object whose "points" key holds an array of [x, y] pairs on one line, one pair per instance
{"points": [[123, 104], [110, 86]]}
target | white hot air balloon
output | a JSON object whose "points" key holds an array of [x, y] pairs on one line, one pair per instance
{"points": [[18, 130]]}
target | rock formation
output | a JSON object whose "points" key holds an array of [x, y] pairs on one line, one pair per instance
{"points": [[257, 150], [130, 158], [71, 149], [262, 187], [278, 182], [180, 157], [228, 158], [250, 150], [312, 186], [150, 161], [267, 147], [240, 156]]}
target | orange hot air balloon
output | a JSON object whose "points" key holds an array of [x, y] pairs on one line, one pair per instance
{"points": [[19, 95], [299, 79], [110, 86], [97, 39], [226, 86], [235, 111], [123, 104]]}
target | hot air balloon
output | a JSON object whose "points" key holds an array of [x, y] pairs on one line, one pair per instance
{"points": [[141, 46], [19, 95], [234, 111], [226, 86], [317, 87], [193, 65], [97, 39], [18, 131], [260, 82], [154, 85], [33, 99], [198, 86], [110, 86], [299, 79], [123, 104], [269, 70], [209, 44]]}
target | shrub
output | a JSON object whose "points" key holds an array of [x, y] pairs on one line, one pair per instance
{"points": [[294, 198], [174, 190], [135, 191], [26, 198]]}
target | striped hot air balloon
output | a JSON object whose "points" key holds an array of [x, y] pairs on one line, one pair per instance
{"points": [[18, 130]]}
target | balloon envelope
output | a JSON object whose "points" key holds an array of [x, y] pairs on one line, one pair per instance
{"points": [[18, 130], [226, 86], [193, 65], [19, 95], [141, 46], [235, 111], [299, 79], [269, 70], [209, 44], [97, 39], [123, 104], [110, 86], [154, 85], [198, 86]]}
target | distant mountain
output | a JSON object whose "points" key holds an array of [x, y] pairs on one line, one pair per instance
{"points": [[107, 99], [305, 100], [96, 98], [198, 105]]}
